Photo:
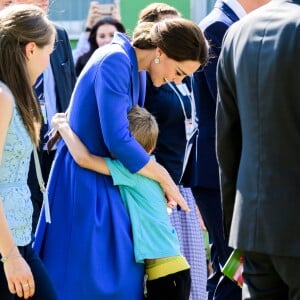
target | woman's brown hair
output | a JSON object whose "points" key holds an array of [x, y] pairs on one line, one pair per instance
{"points": [[180, 39], [19, 25]]}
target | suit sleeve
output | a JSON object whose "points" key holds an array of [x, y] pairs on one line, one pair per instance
{"points": [[228, 137], [69, 54], [214, 35], [63, 69]]}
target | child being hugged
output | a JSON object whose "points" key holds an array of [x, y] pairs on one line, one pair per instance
{"points": [[155, 240]]}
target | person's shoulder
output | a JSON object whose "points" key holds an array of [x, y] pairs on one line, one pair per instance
{"points": [[59, 28], [113, 54], [61, 32], [216, 18], [6, 98], [5, 93]]}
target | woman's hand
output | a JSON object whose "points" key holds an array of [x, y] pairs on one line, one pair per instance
{"points": [[59, 120], [174, 196], [19, 277], [116, 12], [94, 14], [158, 173]]}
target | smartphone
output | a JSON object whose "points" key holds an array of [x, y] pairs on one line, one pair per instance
{"points": [[106, 9]]}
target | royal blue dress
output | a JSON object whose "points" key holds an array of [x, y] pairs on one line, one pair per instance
{"points": [[88, 246]]}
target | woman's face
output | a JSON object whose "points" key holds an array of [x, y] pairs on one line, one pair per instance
{"points": [[38, 58], [105, 34], [170, 70]]}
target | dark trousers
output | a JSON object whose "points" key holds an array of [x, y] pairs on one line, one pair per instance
{"points": [[46, 160], [44, 289], [219, 287], [175, 286], [270, 277]]}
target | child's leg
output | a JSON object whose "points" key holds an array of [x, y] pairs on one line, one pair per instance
{"points": [[175, 286]]}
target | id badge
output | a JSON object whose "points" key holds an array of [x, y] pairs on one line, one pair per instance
{"points": [[43, 111], [189, 128]]}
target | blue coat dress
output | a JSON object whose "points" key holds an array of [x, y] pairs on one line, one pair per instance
{"points": [[88, 246]]}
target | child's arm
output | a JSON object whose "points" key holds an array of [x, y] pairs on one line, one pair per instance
{"points": [[78, 150]]}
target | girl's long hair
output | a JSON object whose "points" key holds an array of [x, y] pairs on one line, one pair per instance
{"points": [[19, 25]]}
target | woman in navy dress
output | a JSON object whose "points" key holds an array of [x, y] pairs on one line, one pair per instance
{"points": [[88, 246], [172, 152]]}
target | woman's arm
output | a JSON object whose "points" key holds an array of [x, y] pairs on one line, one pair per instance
{"points": [[158, 173], [16, 270], [95, 163], [18, 274]]}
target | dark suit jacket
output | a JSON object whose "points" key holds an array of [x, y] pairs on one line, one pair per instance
{"points": [[62, 65], [258, 130], [202, 169]]}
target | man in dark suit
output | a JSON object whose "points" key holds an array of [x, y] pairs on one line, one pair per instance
{"points": [[258, 146], [202, 173], [57, 84]]}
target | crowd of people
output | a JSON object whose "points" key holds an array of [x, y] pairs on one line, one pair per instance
{"points": [[197, 132]]}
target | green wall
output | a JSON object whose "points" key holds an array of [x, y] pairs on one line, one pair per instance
{"points": [[131, 9]]}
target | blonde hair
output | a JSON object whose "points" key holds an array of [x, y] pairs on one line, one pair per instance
{"points": [[21, 24], [157, 11], [143, 127]]}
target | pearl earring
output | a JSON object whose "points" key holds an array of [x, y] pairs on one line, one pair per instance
{"points": [[156, 60]]}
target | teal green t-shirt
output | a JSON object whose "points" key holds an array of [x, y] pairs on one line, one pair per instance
{"points": [[153, 234]]}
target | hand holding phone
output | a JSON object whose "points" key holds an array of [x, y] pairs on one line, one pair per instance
{"points": [[106, 9]]}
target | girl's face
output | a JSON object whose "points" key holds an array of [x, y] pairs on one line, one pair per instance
{"points": [[38, 58], [105, 34], [170, 70]]}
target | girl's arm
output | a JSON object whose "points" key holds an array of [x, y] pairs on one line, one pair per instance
{"points": [[16, 269], [85, 159]]}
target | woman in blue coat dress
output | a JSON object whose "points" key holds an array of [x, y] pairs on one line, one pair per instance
{"points": [[88, 246]]}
